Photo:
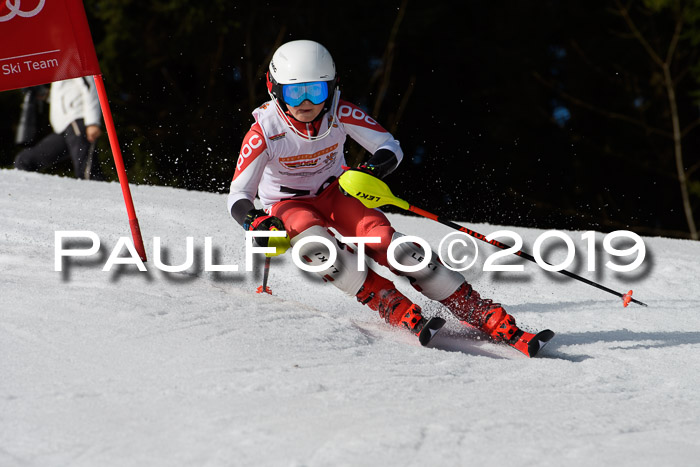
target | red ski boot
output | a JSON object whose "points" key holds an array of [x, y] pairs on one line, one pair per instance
{"points": [[468, 306], [380, 295]]}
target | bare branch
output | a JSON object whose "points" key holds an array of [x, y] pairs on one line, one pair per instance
{"points": [[389, 59], [674, 40], [403, 104], [624, 12]]}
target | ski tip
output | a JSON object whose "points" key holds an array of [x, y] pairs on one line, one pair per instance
{"points": [[430, 329], [538, 342]]}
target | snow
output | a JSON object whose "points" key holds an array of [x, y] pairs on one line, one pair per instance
{"points": [[126, 368]]}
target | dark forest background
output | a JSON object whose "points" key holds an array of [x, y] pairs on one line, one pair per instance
{"points": [[550, 114]]}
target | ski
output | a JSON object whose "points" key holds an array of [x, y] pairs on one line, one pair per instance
{"points": [[429, 329], [528, 343]]}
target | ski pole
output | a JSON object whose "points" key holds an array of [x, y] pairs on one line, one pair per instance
{"points": [[281, 244], [374, 193], [266, 274]]}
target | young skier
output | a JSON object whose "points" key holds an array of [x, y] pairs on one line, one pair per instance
{"points": [[292, 157]]}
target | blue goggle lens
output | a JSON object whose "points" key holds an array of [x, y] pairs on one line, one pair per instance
{"points": [[295, 94]]}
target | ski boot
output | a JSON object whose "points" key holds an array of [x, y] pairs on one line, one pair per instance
{"points": [[489, 317], [379, 294]]}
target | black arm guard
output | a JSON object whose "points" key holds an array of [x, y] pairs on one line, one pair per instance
{"points": [[240, 210], [381, 164]]}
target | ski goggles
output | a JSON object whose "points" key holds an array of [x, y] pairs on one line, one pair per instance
{"points": [[295, 94]]}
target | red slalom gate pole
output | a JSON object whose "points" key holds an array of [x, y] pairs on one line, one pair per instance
{"points": [[119, 163]]}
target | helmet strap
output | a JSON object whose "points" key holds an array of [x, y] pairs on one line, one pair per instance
{"points": [[283, 114]]}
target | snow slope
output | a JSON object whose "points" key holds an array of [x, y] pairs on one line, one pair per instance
{"points": [[129, 368]]}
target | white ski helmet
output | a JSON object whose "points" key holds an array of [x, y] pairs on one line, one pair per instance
{"points": [[301, 61]]}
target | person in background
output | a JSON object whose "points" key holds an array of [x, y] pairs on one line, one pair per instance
{"points": [[75, 116]]}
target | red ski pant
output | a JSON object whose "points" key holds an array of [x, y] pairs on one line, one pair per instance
{"points": [[344, 213]]}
